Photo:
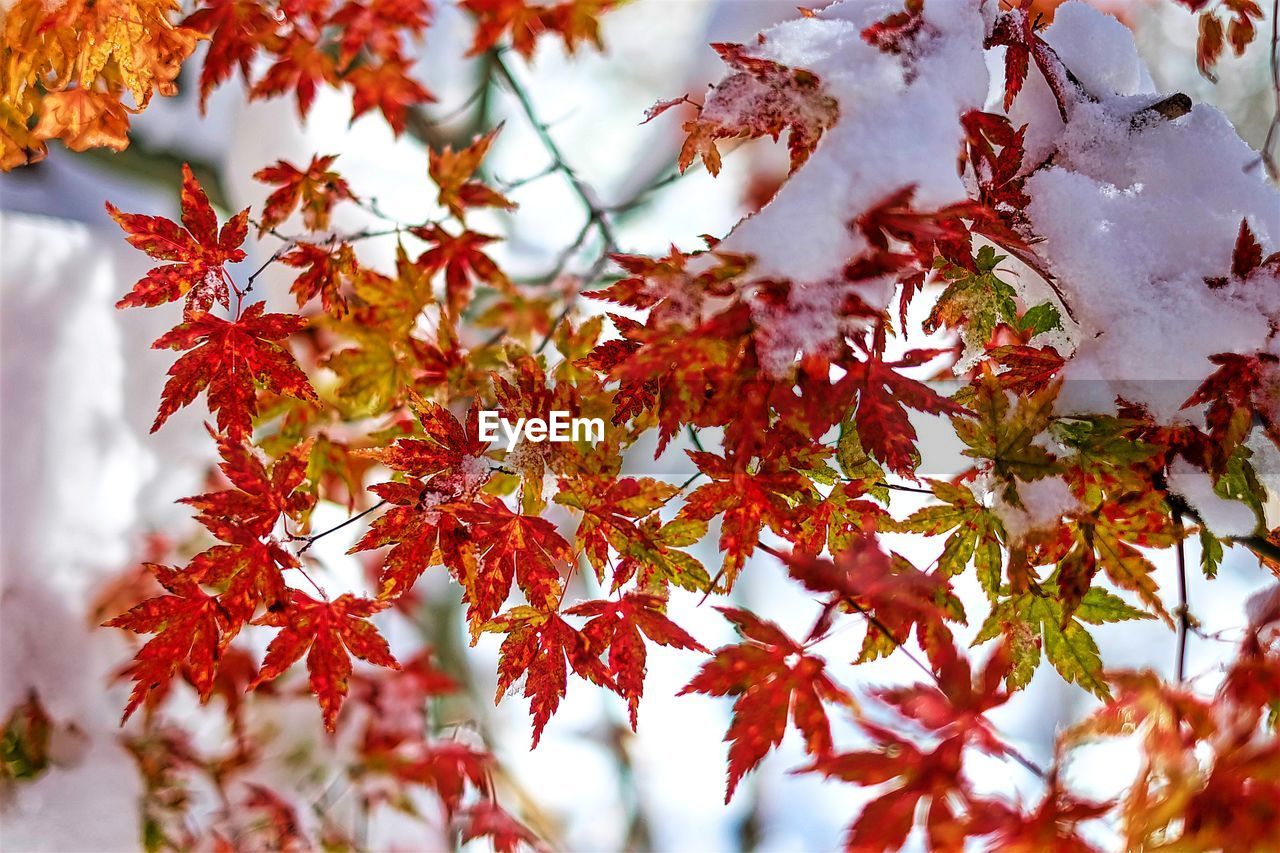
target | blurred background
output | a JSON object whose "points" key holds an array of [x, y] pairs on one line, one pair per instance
{"points": [[84, 487]]}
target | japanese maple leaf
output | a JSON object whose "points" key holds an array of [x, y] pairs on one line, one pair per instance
{"points": [[450, 453], [896, 33], [915, 775], [618, 626], [388, 87], [324, 271], [1026, 370], [975, 533], [957, 704], [487, 819], [260, 497], [251, 575], [1240, 389], [747, 501], [927, 232], [422, 530], [1052, 827], [453, 171], [538, 645], [894, 596], [448, 768], [884, 395], [523, 22], [188, 626], [199, 249], [1005, 434], [228, 358], [523, 548], [316, 189], [301, 65], [773, 677], [377, 25], [610, 509], [780, 98], [461, 260], [328, 633], [1016, 31], [237, 29]]}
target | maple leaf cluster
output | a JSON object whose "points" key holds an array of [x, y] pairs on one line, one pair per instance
{"points": [[76, 71], [369, 397]]}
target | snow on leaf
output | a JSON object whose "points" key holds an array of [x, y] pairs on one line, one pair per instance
{"points": [[761, 98], [200, 251]]}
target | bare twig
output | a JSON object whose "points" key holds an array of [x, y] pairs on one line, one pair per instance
{"points": [[1268, 154], [1184, 617], [311, 540]]}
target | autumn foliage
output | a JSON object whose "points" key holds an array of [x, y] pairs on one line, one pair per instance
{"points": [[803, 469]]}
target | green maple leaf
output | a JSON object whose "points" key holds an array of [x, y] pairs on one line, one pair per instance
{"points": [[1004, 432], [974, 302], [975, 533], [1033, 623]]}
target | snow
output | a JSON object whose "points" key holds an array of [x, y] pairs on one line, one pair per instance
{"points": [[1155, 209], [898, 125], [1223, 517], [1043, 503]]}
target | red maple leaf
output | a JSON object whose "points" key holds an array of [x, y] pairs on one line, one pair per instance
{"points": [[187, 624], [316, 189], [251, 574], [896, 33], [325, 271], [773, 677], [236, 29], [523, 548], [748, 502], [200, 250], [302, 64], [422, 530], [957, 705], [377, 26], [886, 821], [260, 497], [1026, 370], [487, 819], [332, 631], [388, 87], [229, 358], [884, 395], [453, 173], [610, 508], [537, 646], [462, 261], [450, 454], [618, 625]]}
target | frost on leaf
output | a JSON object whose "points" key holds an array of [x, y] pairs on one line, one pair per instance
{"points": [[762, 98]]}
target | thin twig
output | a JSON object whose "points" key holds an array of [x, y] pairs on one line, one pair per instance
{"points": [[1268, 155], [1184, 619], [583, 191], [311, 540]]}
